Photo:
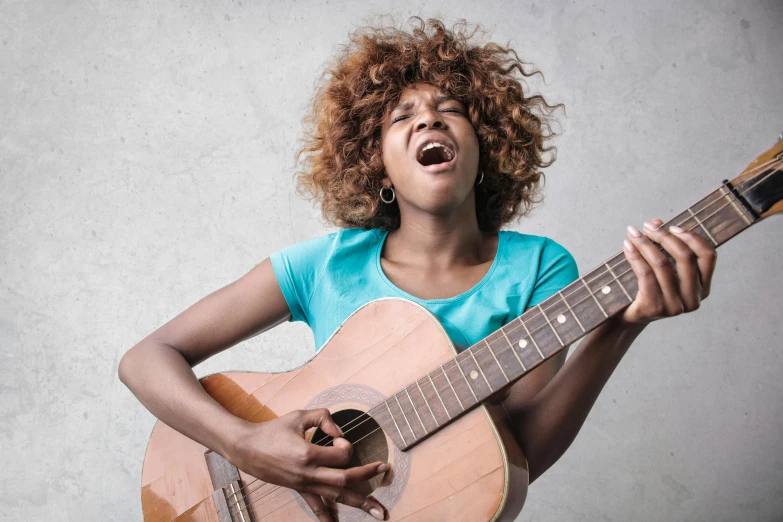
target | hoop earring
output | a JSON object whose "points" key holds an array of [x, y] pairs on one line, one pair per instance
{"points": [[393, 196], [481, 178]]}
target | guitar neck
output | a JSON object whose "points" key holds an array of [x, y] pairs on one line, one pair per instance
{"points": [[506, 355]]}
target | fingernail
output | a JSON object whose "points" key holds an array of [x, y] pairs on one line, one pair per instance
{"points": [[382, 468], [657, 222], [650, 226], [634, 231], [377, 513], [628, 245], [676, 229]]}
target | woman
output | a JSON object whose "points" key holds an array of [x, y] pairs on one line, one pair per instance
{"points": [[421, 147]]}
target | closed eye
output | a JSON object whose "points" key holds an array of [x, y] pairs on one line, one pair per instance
{"points": [[404, 116]]}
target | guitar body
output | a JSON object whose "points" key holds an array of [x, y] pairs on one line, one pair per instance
{"points": [[471, 470]]}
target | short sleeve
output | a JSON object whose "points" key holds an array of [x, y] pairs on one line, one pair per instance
{"points": [[557, 269], [298, 269]]}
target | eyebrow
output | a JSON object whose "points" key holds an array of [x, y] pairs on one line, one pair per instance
{"points": [[438, 100]]}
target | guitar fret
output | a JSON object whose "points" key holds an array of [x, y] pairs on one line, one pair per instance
{"points": [[479, 368], [619, 283], [395, 422], [428, 404], [470, 387], [551, 325], [572, 312], [740, 210], [439, 397], [452, 388], [594, 298], [405, 416], [496, 360], [416, 411], [532, 339], [512, 349], [703, 227]]}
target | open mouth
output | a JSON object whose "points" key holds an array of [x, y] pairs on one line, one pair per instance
{"points": [[434, 153]]}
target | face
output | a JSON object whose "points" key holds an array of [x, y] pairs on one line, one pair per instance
{"points": [[430, 151]]}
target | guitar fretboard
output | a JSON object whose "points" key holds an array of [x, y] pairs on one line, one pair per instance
{"points": [[507, 354]]}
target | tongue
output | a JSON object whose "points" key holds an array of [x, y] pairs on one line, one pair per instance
{"points": [[433, 156]]}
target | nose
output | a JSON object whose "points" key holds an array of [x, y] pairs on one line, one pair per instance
{"points": [[430, 119]]}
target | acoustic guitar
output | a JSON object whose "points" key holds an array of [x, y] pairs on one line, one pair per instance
{"points": [[451, 453]]}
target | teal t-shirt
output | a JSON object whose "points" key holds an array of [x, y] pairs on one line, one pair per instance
{"points": [[326, 279]]}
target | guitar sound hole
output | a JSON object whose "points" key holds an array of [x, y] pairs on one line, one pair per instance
{"points": [[369, 444]]}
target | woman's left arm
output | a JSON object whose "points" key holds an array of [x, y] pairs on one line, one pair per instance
{"points": [[548, 410]]}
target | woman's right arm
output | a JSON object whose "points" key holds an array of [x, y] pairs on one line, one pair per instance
{"points": [[158, 372], [158, 369]]}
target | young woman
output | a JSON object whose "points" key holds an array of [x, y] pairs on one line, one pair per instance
{"points": [[422, 146]]}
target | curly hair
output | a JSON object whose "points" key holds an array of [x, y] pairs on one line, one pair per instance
{"points": [[342, 166]]}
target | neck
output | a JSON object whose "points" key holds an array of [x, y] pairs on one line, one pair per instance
{"points": [[429, 240]]}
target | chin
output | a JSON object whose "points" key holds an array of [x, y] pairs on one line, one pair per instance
{"points": [[443, 203]]}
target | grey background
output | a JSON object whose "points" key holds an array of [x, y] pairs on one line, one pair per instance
{"points": [[146, 159]]}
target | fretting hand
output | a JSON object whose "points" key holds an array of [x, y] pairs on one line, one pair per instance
{"points": [[667, 287]]}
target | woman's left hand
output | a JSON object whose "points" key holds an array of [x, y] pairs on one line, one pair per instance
{"points": [[667, 287]]}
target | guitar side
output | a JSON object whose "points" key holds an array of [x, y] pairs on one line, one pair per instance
{"points": [[471, 470]]}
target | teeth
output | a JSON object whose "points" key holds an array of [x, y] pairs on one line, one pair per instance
{"points": [[434, 144]]}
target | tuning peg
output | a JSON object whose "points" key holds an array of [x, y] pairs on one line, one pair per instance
{"points": [[780, 138]]}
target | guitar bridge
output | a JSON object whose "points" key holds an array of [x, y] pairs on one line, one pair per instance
{"points": [[229, 500]]}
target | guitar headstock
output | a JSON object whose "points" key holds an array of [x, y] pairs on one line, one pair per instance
{"points": [[761, 183]]}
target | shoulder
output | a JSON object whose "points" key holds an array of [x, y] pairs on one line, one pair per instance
{"points": [[329, 243], [301, 267], [532, 245], [549, 263]]}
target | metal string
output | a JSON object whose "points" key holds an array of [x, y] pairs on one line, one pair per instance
{"points": [[544, 326], [590, 292], [720, 197]]}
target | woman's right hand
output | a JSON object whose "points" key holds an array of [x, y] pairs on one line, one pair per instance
{"points": [[276, 452]]}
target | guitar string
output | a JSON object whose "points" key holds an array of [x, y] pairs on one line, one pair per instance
{"points": [[703, 209], [543, 326]]}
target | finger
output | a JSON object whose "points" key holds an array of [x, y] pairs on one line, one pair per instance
{"points": [[319, 418], [686, 269], [662, 274], [706, 256], [345, 477], [318, 507], [350, 498], [649, 291], [336, 455]]}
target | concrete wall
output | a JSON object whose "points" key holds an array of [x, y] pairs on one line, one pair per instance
{"points": [[146, 154]]}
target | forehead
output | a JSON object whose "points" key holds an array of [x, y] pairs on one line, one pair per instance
{"points": [[419, 91]]}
